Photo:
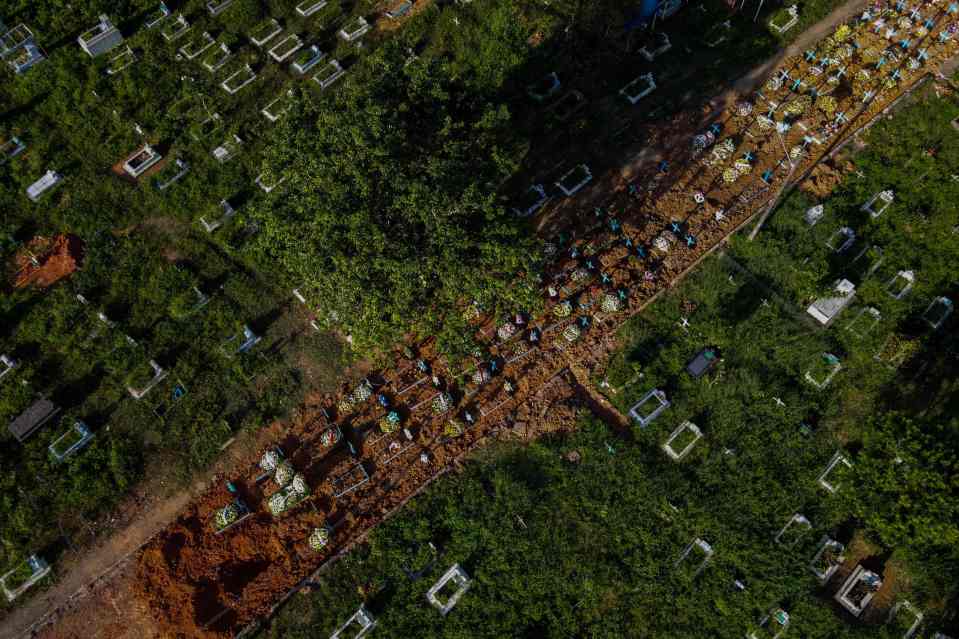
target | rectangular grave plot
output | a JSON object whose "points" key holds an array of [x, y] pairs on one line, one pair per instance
{"points": [[349, 480]]}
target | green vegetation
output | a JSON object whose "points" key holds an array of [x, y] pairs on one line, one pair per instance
{"points": [[393, 214], [593, 547]]}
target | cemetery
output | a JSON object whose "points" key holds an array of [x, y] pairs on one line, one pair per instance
{"points": [[738, 305]]}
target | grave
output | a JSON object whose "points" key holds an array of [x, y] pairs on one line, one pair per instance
{"points": [[25, 575], [275, 109], [11, 149], [896, 350], [20, 49], [814, 214], [545, 88], [905, 616], [179, 168], [938, 312], [49, 180], [718, 34], [400, 10], [824, 479], [781, 23], [329, 74], [158, 16], [824, 369], [101, 38], [641, 410], [662, 46], [574, 180], [682, 440], [217, 58], [702, 363], [292, 493], [827, 560], [878, 203], [534, 199], [7, 365], [842, 240], [453, 585], [121, 61], [858, 590], [357, 626], [866, 263], [354, 30], [285, 47], [698, 552], [193, 49], [567, 106], [349, 480], [238, 79], [319, 538], [141, 160], [76, 437], [901, 284], [771, 626], [265, 31], [230, 515], [228, 149], [175, 29], [27, 422], [268, 187], [216, 8], [307, 59], [202, 129], [639, 88], [247, 339], [158, 375], [826, 309], [308, 7], [865, 321], [793, 532]]}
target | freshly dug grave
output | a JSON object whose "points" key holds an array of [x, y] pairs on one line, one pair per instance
{"points": [[55, 258]]}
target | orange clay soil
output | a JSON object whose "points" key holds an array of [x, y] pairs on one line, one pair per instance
{"points": [[57, 258]]}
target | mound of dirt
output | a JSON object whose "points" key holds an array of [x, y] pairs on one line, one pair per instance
{"points": [[824, 179], [45, 261]]}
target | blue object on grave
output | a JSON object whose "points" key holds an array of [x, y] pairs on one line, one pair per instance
{"points": [[767, 176], [584, 321], [677, 227], [640, 251], [664, 167], [690, 241], [622, 294]]}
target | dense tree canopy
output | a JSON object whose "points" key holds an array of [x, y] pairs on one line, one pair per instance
{"points": [[389, 218]]}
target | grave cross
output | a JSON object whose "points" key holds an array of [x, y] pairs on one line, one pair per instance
{"points": [[590, 265], [676, 227], [841, 117], [664, 167], [716, 128], [633, 189], [904, 43], [622, 294], [767, 176], [929, 24], [953, 8], [841, 71], [922, 55], [574, 252], [895, 74], [684, 324], [807, 140], [628, 243], [614, 225], [900, 5], [797, 84], [784, 75], [779, 402], [860, 174], [749, 157], [943, 36], [606, 279], [814, 93], [598, 212], [955, 177], [915, 15], [584, 321], [765, 302], [810, 56], [690, 241], [867, 96], [866, 16], [881, 61], [649, 276], [879, 24], [641, 251], [826, 61]]}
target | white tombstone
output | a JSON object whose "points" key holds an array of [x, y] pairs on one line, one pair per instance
{"points": [[456, 576], [684, 428]]}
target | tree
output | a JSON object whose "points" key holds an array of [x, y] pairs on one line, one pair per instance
{"points": [[390, 217]]}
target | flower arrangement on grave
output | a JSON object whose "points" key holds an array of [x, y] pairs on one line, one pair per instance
{"points": [[330, 437], [579, 275], [730, 175], [284, 473], [506, 331], [362, 392], [319, 538], [471, 312], [744, 109], [453, 428], [269, 461], [827, 104], [743, 166], [549, 249], [774, 83], [481, 376], [610, 303], [277, 503], [226, 516], [843, 32], [345, 405], [563, 309], [299, 486], [390, 423], [572, 332], [442, 403]]}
